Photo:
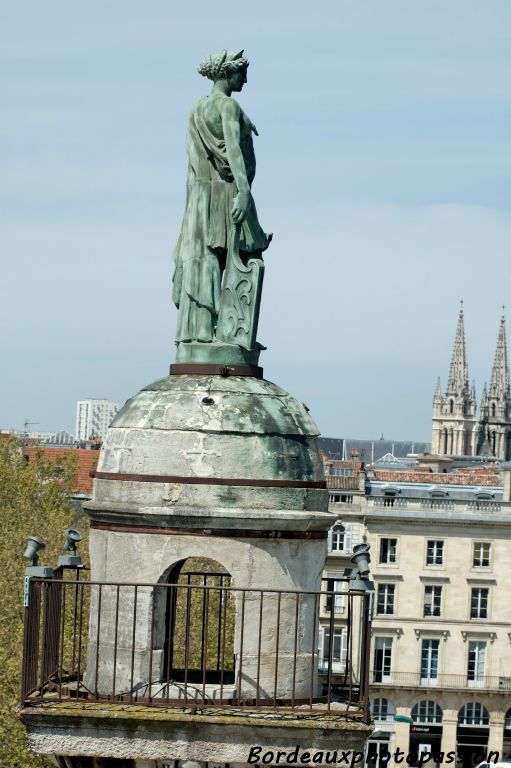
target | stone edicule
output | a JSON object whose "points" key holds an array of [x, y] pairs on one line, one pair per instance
{"points": [[222, 468]]}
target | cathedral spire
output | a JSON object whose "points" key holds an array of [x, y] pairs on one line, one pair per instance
{"points": [[457, 383], [483, 410], [437, 397], [499, 382]]}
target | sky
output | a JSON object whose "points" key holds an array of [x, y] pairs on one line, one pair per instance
{"points": [[383, 170]]}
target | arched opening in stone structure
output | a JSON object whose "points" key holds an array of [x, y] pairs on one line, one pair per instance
{"points": [[426, 731], [199, 610], [472, 734]]}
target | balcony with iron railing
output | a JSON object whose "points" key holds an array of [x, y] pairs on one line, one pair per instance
{"points": [[200, 644], [493, 684]]}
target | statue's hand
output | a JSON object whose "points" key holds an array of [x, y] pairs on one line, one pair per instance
{"points": [[240, 207]]}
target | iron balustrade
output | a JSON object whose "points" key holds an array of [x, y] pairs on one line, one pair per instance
{"points": [[192, 644], [441, 682]]}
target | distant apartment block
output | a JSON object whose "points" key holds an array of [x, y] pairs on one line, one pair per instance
{"points": [[93, 418]]}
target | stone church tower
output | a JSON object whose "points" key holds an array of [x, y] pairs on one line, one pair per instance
{"points": [[456, 430], [454, 414], [494, 429]]}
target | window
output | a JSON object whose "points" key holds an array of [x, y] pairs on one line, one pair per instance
{"points": [[481, 557], [435, 552], [385, 601], [335, 653], [476, 662], [479, 603], [473, 714], [382, 710], [340, 538], [429, 659], [341, 472], [333, 584], [427, 712], [382, 660], [388, 550], [432, 600], [507, 721]]}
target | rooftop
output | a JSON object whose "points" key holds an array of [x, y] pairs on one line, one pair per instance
{"points": [[87, 460]]}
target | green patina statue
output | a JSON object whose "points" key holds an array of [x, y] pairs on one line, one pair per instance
{"points": [[218, 257]]}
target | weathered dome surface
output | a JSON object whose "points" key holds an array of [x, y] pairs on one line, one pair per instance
{"points": [[183, 431], [213, 427]]}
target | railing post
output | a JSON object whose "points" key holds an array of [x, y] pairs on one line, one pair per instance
{"points": [[32, 612], [365, 652]]}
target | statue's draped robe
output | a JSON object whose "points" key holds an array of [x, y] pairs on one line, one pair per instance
{"points": [[202, 245]]}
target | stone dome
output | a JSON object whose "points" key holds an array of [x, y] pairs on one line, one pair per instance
{"points": [[193, 443]]}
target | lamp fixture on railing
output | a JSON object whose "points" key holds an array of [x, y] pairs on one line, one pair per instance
{"points": [[72, 560], [34, 546], [359, 575]]}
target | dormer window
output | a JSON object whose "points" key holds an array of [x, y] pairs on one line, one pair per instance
{"points": [[438, 493], [390, 496]]}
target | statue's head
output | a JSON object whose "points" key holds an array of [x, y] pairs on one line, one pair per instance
{"points": [[225, 65]]}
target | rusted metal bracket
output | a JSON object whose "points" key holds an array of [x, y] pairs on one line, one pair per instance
{"points": [[237, 533], [211, 369], [234, 481]]}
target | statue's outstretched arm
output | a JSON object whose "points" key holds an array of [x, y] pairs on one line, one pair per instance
{"points": [[231, 131]]}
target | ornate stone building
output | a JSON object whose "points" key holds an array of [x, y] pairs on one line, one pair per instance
{"points": [[441, 641], [456, 429]]}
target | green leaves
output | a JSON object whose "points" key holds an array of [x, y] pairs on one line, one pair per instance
{"points": [[33, 501]]}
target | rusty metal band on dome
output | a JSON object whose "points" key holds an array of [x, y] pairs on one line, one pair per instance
{"points": [[249, 533], [212, 369], [236, 481]]}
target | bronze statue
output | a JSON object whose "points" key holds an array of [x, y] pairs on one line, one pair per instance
{"points": [[218, 265]]}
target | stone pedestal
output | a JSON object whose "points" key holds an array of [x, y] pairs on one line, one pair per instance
{"points": [[159, 736]]}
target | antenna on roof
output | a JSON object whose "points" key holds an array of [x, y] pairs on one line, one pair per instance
{"points": [[27, 424]]}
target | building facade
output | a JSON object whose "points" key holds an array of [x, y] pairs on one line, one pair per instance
{"points": [[456, 429], [93, 418], [441, 635]]}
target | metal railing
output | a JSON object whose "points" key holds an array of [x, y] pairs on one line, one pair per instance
{"points": [[191, 644], [441, 682]]}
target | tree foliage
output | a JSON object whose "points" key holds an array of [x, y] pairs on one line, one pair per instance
{"points": [[34, 501]]}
